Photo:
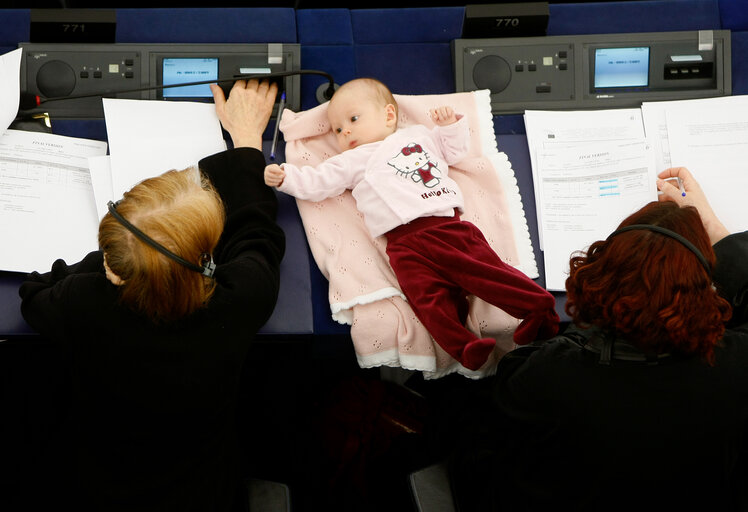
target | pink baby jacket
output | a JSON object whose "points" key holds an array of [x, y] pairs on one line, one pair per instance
{"points": [[394, 181]]}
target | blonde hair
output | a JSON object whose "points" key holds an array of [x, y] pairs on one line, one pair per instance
{"points": [[380, 92], [184, 216]]}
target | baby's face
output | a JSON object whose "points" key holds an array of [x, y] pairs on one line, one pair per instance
{"points": [[357, 119]]}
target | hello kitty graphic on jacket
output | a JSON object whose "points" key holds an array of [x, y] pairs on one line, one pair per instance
{"points": [[413, 161], [390, 187]]}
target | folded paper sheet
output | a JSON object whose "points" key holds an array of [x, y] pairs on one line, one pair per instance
{"points": [[363, 289], [148, 138]]}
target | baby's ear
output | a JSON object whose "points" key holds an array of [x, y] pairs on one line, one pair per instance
{"points": [[390, 114]]}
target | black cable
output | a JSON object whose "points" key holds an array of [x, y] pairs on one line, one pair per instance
{"points": [[207, 268], [243, 76]]}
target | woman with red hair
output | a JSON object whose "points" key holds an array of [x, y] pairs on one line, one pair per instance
{"points": [[643, 402]]}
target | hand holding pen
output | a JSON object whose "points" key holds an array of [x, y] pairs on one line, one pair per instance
{"points": [[688, 193]]}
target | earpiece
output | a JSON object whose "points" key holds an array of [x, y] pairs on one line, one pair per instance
{"points": [[208, 265]]}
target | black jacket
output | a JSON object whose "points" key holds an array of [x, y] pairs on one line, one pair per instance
{"points": [[152, 422], [560, 430]]}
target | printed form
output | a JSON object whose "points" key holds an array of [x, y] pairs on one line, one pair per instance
{"points": [[585, 192], [46, 201], [712, 142], [654, 114], [552, 129]]}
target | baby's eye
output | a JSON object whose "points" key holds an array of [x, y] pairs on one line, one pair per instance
{"points": [[354, 119]]}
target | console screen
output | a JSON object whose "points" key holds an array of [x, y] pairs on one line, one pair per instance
{"points": [[183, 70], [622, 67]]}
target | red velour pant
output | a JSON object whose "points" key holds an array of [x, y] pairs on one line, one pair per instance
{"points": [[438, 261]]}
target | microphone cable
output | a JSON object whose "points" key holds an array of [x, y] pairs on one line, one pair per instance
{"points": [[30, 101]]}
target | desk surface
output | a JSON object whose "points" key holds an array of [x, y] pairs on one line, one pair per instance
{"points": [[303, 307], [293, 311], [365, 42], [516, 149]]}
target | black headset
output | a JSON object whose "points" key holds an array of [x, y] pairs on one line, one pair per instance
{"points": [[672, 234], [207, 267]]}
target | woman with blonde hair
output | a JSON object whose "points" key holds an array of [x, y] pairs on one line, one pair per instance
{"points": [[184, 215], [158, 322]]}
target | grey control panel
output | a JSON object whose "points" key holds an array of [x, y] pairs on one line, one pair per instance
{"points": [[594, 71], [66, 71]]}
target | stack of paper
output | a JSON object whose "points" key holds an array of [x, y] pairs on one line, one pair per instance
{"points": [[46, 202], [591, 169], [710, 138]]}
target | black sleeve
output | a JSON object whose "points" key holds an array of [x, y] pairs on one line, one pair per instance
{"points": [[252, 244], [237, 174], [731, 275], [43, 296]]}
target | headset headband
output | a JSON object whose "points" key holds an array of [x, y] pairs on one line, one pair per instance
{"points": [[672, 234], [206, 259]]}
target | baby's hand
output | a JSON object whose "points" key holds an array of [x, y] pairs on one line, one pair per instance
{"points": [[443, 116], [274, 175]]}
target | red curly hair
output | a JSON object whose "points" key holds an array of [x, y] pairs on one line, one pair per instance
{"points": [[650, 288]]}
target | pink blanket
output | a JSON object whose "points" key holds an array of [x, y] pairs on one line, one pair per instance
{"points": [[364, 292]]}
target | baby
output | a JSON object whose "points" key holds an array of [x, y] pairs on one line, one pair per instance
{"points": [[400, 181]]}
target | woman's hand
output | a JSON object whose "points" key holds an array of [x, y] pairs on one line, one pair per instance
{"points": [[246, 113], [694, 196]]}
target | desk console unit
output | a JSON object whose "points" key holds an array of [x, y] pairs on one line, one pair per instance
{"points": [[594, 71], [74, 70]]}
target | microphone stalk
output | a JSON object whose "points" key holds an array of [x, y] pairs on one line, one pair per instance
{"points": [[30, 101]]}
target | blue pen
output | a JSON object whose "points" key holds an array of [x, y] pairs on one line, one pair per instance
{"points": [[680, 185], [277, 125]]}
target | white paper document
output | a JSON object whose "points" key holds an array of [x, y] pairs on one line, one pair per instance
{"points": [[101, 181], [549, 129], [10, 87], [585, 191], [711, 140], [148, 138], [46, 201], [654, 114], [709, 136]]}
